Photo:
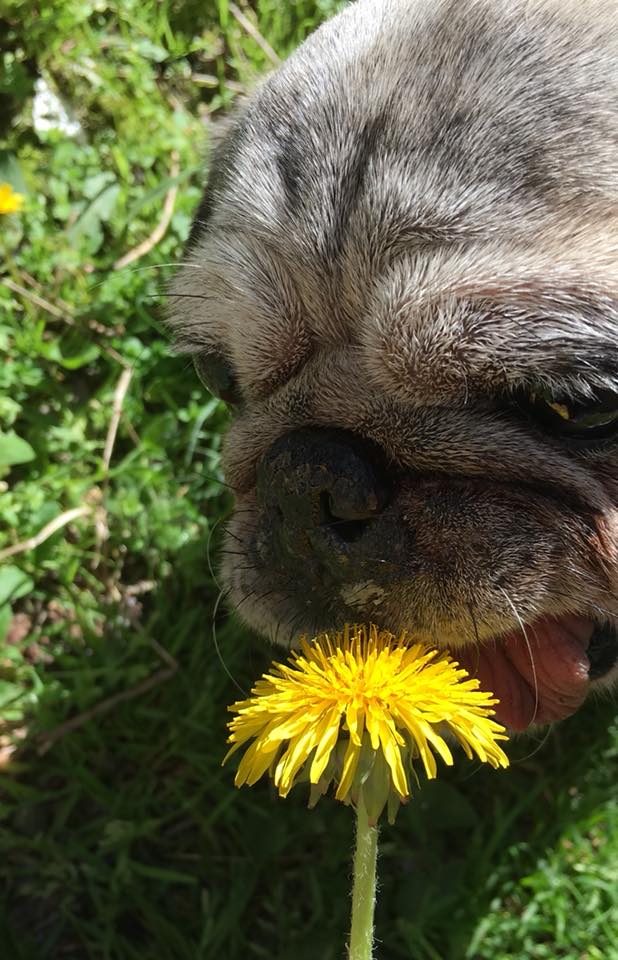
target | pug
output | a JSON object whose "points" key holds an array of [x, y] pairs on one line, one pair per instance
{"points": [[403, 280]]}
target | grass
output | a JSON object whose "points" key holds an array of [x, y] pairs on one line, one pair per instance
{"points": [[120, 835]]}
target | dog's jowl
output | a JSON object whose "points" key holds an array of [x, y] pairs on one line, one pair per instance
{"points": [[403, 279]]}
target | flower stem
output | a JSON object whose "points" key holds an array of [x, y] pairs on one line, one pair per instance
{"points": [[364, 889]]}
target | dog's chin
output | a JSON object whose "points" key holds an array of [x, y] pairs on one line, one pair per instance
{"points": [[540, 673], [540, 659]]}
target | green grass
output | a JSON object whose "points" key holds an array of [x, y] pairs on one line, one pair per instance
{"points": [[123, 838]]}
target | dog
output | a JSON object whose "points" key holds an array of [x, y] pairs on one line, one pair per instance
{"points": [[403, 280]]}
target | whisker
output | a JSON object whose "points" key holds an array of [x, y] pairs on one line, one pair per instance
{"points": [[216, 641], [211, 533], [529, 646], [538, 747], [211, 477], [179, 296], [291, 625], [224, 552], [229, 533], [160, 266], [583, 600], [579, 573], [244, 599], [277, 629], [476, 635]]}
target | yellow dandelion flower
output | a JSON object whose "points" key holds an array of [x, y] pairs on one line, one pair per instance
{"points": [[10, 202], [359, 708]]}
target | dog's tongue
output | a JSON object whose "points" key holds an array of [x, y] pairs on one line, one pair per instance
{"points": [[539, 677]]}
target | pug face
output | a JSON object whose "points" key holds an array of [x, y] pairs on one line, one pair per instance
{"points": [[403, 278]]}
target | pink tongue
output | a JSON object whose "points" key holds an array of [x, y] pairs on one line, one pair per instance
{"points": [[538, 681]]}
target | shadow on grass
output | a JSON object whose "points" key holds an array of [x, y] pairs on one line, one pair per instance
{"points": [[126, 839]]}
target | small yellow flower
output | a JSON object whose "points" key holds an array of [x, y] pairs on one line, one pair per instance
{"points": [[358, 709], [10, 202]]}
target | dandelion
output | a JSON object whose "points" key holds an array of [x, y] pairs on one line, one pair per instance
{"points": [[364, 710], [10, 201], [360, 709]]}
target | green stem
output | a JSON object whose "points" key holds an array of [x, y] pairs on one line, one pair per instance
{"points": [[364, 889]]}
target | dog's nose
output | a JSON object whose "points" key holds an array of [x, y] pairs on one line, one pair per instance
{"points": [[322, 488]]}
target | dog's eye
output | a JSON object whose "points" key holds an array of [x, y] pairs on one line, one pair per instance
{"points": [[217, 375], [588, 421]]}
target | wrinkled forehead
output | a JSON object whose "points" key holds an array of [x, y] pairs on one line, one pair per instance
{"points": [[425, 181]]}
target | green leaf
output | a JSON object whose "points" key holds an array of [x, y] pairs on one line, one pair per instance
{"points": [[151, 51], [14, 583], [5, 618], [14, 450], [147, 197], [97, 212], [224, 13], [94, 185], [79, 354], [10, 171]]}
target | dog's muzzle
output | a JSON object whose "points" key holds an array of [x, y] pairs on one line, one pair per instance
{"points": [[330, 510]]}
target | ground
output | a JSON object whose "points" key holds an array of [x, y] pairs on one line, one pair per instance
{"points": [[121, 835]]}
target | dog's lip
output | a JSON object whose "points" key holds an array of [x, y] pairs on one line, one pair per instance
{"points": [[539, 673]]}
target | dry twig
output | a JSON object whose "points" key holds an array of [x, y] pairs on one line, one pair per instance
{"points": [[47, 740], [59, 308], [32, 282], [38, 301], [45, 533], [161, 228], [112, 431], [251, 29]]}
